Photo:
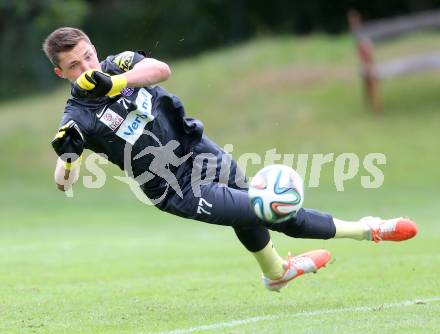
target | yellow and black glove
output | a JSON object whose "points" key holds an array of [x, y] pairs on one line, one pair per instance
{"points": [[68, 143], [94, 83]]}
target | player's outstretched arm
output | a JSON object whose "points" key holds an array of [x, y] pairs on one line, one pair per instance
{"points": [[147, 72], [94, 83]]}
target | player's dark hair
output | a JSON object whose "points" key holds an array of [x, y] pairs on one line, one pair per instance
{"points": [[62, 40]]}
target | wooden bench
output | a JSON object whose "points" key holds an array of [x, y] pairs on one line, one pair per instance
{"points": [[371, 33]]}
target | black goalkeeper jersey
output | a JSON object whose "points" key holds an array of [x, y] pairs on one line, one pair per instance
{"points": [[122, 127]]}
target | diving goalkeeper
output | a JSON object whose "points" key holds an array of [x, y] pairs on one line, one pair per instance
{"points": [[117, 110]]}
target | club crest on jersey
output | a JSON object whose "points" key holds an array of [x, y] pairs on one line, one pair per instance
{"points": [[128, 91]]}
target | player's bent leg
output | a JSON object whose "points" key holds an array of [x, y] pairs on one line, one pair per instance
{"points": [[231, 207], [221, 205], [294, 267]]}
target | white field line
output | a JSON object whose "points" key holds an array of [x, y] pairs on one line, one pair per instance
{"points": [[235, 323]]}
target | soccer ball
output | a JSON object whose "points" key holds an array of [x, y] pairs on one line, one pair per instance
{"points": [[276, 193]]}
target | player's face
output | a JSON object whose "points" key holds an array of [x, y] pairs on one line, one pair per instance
{"points": [[81, 58]]}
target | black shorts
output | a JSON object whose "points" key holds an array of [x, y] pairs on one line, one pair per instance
{"points": [[213, 189]]}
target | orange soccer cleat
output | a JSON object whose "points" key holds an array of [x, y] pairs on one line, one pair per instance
{"points": [[396, 229], [296, 266]]}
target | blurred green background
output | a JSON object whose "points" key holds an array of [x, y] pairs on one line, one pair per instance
{"points": [[260, 76], [166, 29]]}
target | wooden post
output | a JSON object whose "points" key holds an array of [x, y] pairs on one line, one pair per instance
{"points": [[365, 52]]}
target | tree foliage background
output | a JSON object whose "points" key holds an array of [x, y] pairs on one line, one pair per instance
{"points": [[165, 29]]}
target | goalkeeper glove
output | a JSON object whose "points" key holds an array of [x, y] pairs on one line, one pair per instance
{"points": [[94, 83], [68, 143]]}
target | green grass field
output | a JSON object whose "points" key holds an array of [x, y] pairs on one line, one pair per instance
{"points": [[102, 262]]}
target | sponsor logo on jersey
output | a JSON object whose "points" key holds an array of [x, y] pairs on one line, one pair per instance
{"points": [[111, 119], [124, 60], [132, 127]]}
